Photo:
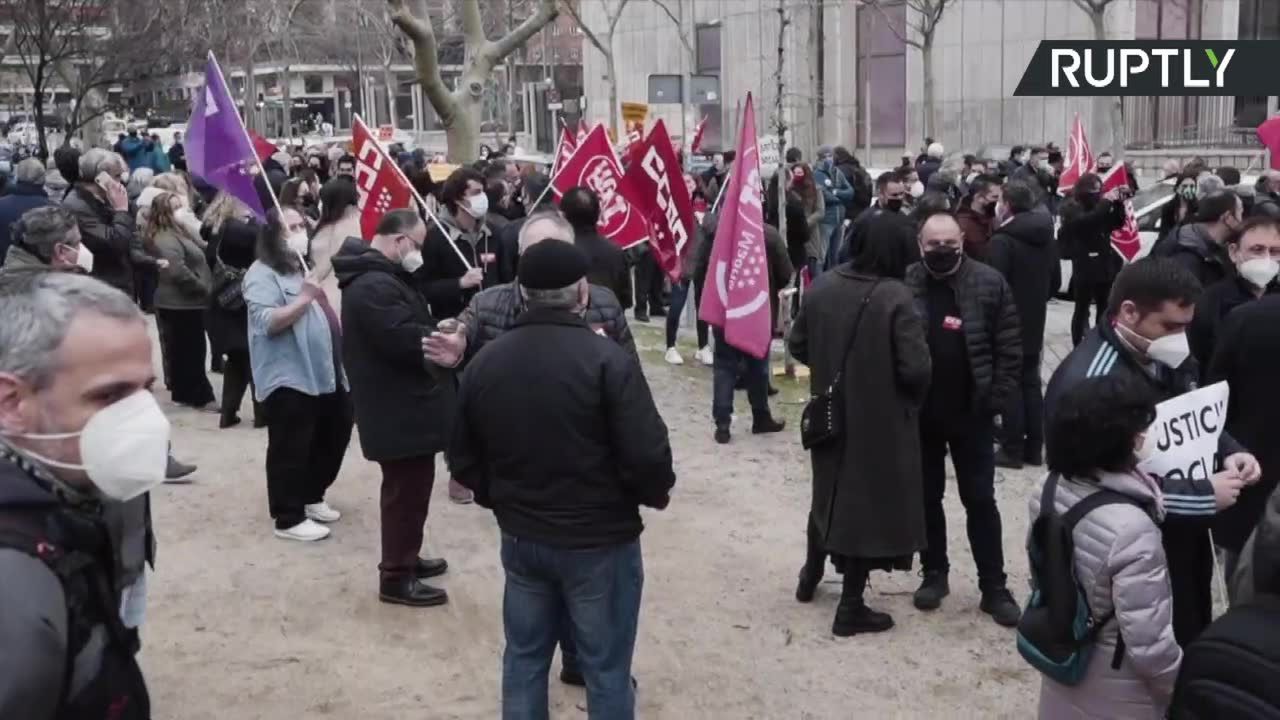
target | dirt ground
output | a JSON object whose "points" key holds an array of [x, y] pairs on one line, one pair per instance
{"points": [[241, 625]]}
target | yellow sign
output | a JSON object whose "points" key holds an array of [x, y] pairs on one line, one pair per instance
{"points": [[634, 112]]}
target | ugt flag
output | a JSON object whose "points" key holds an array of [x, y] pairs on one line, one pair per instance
{"points": [[380, 186], [1079, 157], [218, 148], [737, 297], [594, 166], [655, 188], [1124, 239]]}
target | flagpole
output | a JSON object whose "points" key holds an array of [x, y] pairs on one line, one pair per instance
{"points": [[262, 171], [423, 203], [555, 173]]}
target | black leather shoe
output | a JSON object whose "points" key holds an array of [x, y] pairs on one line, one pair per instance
{"points": [[1009, 461], [642, 317], [226, 422], [766, 424], [722, 435], [999, 604], [411, 592], [853, 619], [931, 591], [429, 568], [808, 584], [575, 678]]}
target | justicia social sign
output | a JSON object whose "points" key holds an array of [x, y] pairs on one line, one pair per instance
{"points": [[1155, 67]]}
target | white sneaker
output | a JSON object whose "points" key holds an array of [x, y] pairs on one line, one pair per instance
{"points": [[673, 356], [704, 355], [321, 512], [305, 531]]}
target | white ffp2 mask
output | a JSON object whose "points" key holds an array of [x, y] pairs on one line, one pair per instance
{"points": [[1259, 271]]}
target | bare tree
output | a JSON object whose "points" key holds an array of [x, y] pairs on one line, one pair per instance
{"points": [[922, 21], [612, 14], [1113, 106], [688, 65], [459, 109]]}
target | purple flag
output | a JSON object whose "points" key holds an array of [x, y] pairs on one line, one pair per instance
{"points": [[218, 147]]}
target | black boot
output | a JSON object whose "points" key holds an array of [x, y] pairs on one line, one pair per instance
{"points": [[410, 591], [932, 590], [815, 563], [762, 424], [430, 567], [722, 434], [852, 614], [1010, 460]]}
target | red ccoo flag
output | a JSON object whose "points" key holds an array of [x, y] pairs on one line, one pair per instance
{"points": [[1079, 157], [379, 183], [568, 143], [1126, 240], [1269, 136], [655, 188], [737, 297], [698, 132], [594, 166]]}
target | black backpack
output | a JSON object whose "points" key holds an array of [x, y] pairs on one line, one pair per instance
{"points": [[1232, 669], [1057, 631]]}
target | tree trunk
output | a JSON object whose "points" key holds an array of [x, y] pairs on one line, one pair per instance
{"points": [[38, 114], [1108, 109], [389, 81], [613, 91], [463, 134], [926, 57], [286, 97], [250, 93]]}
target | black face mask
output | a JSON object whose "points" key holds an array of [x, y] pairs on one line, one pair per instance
{"points": [[942, 261], [893, 205], [989, 210], [1090, 199]]}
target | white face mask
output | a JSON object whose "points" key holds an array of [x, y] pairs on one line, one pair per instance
{"points": [[411, 261], [1170, 350], [917, 189], [1259, 271], [84, 258], [298, 243], [124, 448], [478, 205]]}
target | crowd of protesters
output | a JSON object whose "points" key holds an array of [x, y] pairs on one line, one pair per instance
{"points": [[923, 296]]}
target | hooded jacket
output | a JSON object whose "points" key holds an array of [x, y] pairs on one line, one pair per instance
{"points": [[134, 150], [1121, 567], [404, 405], [1085, 238], [1195, 249], [1023, 250], [1212, 309]]}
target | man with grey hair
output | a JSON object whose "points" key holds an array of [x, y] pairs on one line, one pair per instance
{"points": [[100, 205], [26, 192], [558, 434], [79, 433], [47, 238], [1267, 194]]}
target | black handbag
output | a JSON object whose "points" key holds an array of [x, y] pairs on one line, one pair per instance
{"points": [[228, 284], [823, 419]]}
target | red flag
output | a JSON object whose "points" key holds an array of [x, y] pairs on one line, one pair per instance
{"points": [[1079, 157], [698, 132], [262, 147], [655, 188], [1126, 239], [737, 297], [635, 144], [1269, 136], [594, 165], [379, 183], [583, 130], [568, 143]]}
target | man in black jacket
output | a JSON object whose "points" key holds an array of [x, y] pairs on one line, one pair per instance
{"points": [[1201, 247], [1255, 254], [100, 205], [532, 190], [608, 266], [1023, 250], [886, 217], [1088, 219], [403, 403], [1145, 339], [445, 279], [971, 326], [558, 433]]}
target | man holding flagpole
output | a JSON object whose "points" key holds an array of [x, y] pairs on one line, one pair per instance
{"points": [[736, 302]]}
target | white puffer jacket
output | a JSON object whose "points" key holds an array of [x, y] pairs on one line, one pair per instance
{"points": [[1120, 564]]}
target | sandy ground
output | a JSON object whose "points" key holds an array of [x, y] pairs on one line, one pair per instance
{"points": [[241, 625]]}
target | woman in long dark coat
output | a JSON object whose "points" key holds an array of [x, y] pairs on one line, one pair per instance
{"points": [[867, 510], [231, 232]]}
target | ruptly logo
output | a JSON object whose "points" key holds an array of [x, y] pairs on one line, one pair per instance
{"points": [[1156, 68]]}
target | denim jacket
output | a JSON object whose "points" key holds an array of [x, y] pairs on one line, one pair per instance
{"points": [[301, 356]]}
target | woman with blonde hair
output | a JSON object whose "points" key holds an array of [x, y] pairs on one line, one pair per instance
{"points": [[181, 297], [232, 233]]}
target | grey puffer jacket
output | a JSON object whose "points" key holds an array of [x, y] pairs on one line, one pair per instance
{"points": [[492, 312], [1120, 564]]}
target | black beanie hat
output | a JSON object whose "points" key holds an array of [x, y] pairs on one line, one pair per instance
{"points": [[552, 264]]}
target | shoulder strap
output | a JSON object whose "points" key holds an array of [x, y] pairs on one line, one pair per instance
{"points": [[1093, 501], [848, 346], [1047, 495]]}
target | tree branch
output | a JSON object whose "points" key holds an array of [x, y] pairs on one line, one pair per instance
{"points": [[472, 23], [900, 34], [617, 15], [494, 52], [591, 36], [425, 62], [684, 37]]}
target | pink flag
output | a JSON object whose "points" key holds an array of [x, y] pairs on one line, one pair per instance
{"points": [[1079, 157], [698, 132], [737, 297], [1269, 136], [1126, 239]]}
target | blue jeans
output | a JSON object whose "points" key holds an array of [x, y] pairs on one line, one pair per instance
{"points": [[601, 588], [729, 362]]}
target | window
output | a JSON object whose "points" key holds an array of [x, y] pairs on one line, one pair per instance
{"points": [[313, 84], [575, 55], [882, 60], [707, 38], [1259, 20], [664, 89]]}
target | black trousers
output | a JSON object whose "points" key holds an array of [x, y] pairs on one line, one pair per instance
{"points": [[1190, 558], [307, 437], [1023, 429], [236, 378], [182, 349], [648, 285], [1088, 293]]}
